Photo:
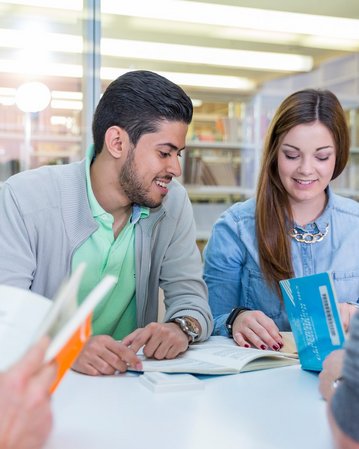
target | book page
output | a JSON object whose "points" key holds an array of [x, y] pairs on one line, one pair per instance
{"points": [[64, 305], [219, 355], [25, 317], [78, 319], [237, 358], [21, 313], [184, 364], [289, 343]]}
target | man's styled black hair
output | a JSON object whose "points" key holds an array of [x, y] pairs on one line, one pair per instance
{"points": [[137, 101]]}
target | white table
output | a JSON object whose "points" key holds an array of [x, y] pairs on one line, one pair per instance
{"points": [[279, 408]]}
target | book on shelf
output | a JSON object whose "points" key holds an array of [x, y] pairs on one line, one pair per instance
{"points": [[313, 314], [26, 316], [210, 171], [219, 173], [221, 355]]}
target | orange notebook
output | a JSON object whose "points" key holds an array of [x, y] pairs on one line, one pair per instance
{"points": [[26, 316]]}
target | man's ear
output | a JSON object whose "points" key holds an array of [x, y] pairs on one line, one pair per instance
{"points": [[114, 137]]}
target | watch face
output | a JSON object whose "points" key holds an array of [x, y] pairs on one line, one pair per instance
{"points": [[188, 326], [192, 326]]}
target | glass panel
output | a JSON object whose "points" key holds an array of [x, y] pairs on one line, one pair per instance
{"points": [[40, 44]]}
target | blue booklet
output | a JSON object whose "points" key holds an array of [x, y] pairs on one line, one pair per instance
{"points": [[313, 314]]}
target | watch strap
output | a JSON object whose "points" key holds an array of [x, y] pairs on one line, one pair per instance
{"points": [[231, 318]]}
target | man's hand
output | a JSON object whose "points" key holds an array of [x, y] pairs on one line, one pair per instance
{"points": [[332, 369], [253, 327], [25, 412], [160, 340], [347, 311], [104, 355]]}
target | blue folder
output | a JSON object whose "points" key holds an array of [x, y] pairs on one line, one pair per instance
{"points": [[314, 317]]}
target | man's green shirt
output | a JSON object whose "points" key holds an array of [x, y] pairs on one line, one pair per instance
{"points": [[103, 254]]}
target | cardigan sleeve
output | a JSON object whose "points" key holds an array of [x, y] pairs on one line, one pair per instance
{"points": [[345, 402]]}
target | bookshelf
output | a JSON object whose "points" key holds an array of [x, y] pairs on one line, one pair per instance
{"points": [[231, 158], [224, 164], [223, 155], [55, 138]]}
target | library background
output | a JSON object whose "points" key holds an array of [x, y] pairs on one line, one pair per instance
{"points": [[236, 61]]}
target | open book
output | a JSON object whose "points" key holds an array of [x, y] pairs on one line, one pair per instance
{"points": [[311, 305], [26, 316], [220, 355]]}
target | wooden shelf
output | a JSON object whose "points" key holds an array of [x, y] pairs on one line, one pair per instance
{"points": [[208, 145], [42, 137], [227, 194]]}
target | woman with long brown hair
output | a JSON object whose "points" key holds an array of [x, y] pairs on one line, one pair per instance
{"points": [[295, 226]]}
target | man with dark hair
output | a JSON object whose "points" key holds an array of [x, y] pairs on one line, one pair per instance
{"points": [[121, 212]]}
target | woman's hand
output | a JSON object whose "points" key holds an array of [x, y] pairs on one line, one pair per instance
{"points": [[254, 328]]}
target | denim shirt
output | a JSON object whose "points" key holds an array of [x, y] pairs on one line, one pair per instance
{"points": [[231, 264]]}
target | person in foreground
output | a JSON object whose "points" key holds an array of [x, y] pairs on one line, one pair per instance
{"points": [[343, 394], [25, 412], [121, 211], [295, 226]]}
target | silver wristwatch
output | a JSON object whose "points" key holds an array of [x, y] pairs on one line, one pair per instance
{"points": [[189, 326]]}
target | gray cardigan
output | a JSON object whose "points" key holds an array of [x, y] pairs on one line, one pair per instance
{"points": [[345, 402], [45, 217]]}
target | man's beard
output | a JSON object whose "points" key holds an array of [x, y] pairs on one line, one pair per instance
{"points": [[132, 186]]}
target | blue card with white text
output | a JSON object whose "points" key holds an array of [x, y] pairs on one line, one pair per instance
{"points": [[314, 317]]}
